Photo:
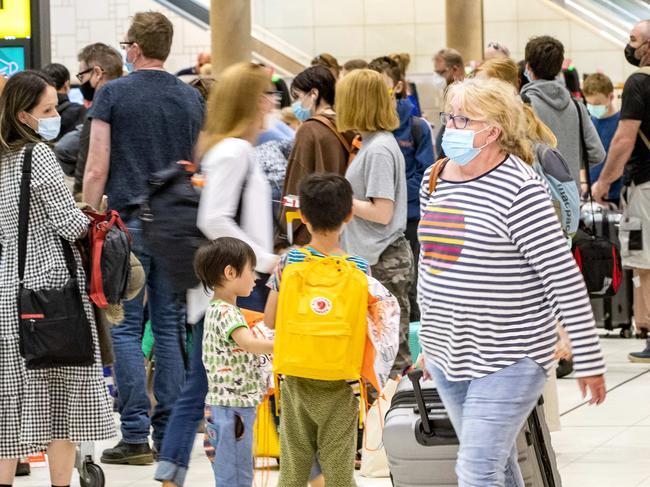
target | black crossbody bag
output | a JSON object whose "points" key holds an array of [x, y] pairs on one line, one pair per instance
{"points": [[54, 329]]}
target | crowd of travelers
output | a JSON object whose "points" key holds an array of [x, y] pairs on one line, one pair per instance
{"points": [[449, 212]]}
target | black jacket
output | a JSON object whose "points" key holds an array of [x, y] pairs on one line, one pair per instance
{"points": [[72, 114]]}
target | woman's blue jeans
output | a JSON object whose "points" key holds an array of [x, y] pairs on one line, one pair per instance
{"points": [[189, 409], [488, 414]]}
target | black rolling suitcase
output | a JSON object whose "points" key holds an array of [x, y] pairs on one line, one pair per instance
{"points": [[421, 444], [611, 312]]}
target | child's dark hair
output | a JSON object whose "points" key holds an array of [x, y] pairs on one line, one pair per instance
{"points": [[325, 200], [212, 259]]}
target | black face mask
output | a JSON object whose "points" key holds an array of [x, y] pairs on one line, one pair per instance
{"points": [[630, 57], [87, 90]]}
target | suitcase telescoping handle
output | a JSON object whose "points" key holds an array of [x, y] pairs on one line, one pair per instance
{"points": [[414, 377]]}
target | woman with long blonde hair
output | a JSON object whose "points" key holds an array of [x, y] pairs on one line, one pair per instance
{"points": [[378, 178], [235, 202], [495, 276]]}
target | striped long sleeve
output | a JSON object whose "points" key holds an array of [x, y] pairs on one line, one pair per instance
{"points": [[535, 230]]}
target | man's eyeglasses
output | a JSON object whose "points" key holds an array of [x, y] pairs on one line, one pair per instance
{"points": [[459, 121], [126, 44], [80, 74]]}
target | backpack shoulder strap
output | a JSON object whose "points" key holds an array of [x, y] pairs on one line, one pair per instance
{"points": [[525, 98], [328, 123], [436, 169]]}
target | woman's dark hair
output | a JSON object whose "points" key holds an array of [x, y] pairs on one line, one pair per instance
{"points": [[21, 94], [211, 260], [325, 200], [545, 55], [318, 77], [59, 74]]}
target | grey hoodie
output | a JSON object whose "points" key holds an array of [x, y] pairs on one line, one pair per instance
{"points": [[552, 103]]}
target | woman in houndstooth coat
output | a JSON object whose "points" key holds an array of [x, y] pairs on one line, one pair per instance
{"points": [[49, 408]]}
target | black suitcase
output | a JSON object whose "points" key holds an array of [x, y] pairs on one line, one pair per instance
{"points": [[610, 312], [421, 444]]}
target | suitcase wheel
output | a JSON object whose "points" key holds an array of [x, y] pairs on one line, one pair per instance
{"points": [[93, 475]]}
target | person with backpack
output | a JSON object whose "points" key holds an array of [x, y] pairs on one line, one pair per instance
{"points": [[235, 202], [489, 340], [548, 161], [141, 124], [64, 401], [552, 103], [226, 267], [629, 155], [319, 416], [378, 177], [415, 141], [72, 114], [319, 146]]}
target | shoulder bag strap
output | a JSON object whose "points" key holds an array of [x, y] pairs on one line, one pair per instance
{"points": [[436, 169], [23, 209], [23, 219], [583, 147], [644, 70], [328, 123]]}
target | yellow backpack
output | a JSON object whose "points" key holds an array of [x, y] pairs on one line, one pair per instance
{"points": [[321, 322]]}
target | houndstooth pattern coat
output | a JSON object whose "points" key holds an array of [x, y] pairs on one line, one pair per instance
{"points": [[37, 406]]}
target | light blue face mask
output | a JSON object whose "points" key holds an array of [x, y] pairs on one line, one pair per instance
{"points": [[597, 111], [48, 128], [300, 112], [459, 145], [130, 67]]}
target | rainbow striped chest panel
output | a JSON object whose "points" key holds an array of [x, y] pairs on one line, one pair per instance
{"points": [[453, 229]]}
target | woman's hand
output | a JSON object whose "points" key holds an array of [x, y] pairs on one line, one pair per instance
{"points": [[419, 364], [596, 386]]}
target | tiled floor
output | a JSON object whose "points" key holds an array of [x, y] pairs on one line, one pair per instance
{"points": [[606, 446]]}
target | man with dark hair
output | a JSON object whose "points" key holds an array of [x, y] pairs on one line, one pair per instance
{"points": [[141, 124], [629, 155], [553, 104], [72, 114]]}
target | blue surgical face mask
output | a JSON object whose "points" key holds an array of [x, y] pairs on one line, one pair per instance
{"points": [[130, 67], [597, 111], [48, 128], [300, 112], [527, 75], [459, 145]]}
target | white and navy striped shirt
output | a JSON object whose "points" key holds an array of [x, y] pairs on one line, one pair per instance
{"points": [[495, 275]]}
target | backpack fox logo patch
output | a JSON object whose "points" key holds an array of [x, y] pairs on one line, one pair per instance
{"points": [[321, 306]]}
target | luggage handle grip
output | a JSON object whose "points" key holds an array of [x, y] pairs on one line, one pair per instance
{"points": [[415, 376]]}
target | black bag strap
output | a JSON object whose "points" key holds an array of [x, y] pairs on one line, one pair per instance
{"points": [[584, 159], [23, 219]]}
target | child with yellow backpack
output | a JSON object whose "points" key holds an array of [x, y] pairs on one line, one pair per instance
{"points": [[318, 304]]}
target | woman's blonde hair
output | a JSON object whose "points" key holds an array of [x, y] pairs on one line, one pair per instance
{"points": [[495, 102], [234, 101], [363, 103], [507, 70]]}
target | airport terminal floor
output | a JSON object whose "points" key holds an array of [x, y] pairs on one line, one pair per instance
{"points": [[597, 446]]}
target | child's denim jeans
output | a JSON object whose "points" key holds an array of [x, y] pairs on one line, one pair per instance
{"points": [[487, 414], [231, 433]]}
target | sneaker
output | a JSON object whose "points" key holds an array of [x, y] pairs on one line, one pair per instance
{"points": [[128, 454], [641, 357]]}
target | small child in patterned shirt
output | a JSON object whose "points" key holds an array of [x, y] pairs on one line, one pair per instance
{"points": [[235, 386]]}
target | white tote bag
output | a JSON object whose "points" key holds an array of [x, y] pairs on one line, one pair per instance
{"points": [[373, 456]]}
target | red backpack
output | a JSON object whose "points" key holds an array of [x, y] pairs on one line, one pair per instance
{"points": [[109, 252]]}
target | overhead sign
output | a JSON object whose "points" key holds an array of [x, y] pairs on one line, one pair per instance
{"points": [[15, 19], [12, 60]]}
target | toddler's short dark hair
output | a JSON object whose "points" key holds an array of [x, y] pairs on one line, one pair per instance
{"points": [[325, 200], [212, 259]]}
